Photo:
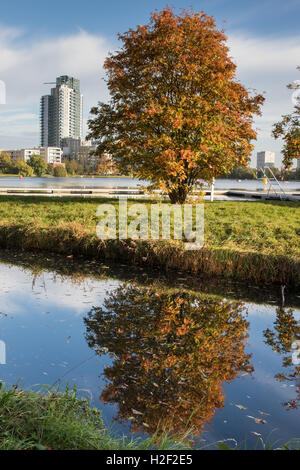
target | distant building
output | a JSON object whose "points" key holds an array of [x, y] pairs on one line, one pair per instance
{"points": [[86, 155], [49, 154], [23, 154], [80, 150], [61, 112], [265, 159], [70, 148]]}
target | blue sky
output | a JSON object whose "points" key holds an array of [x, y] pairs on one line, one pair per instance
{"points": [[39, 41]]}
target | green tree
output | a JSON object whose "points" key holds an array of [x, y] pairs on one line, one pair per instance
{"points": [[5, 162], [50, 169], [21, 168], [282, 338], [59, 171], [241, 172], [289, 130], [177, 112], [73, 167], [38, 165]]}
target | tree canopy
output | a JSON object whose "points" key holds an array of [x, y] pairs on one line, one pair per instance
{"points": [[176, 111], [289, 130], [59, 171], [38, 164], [171, 353]]}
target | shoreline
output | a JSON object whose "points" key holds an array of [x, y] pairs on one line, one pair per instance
{"points": [[256, 242], [70, 240], [80, 268]]}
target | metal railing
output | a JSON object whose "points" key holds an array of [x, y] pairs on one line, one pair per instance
{"points": [[274, 185]]}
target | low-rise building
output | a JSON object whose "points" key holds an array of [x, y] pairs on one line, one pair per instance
{"points": [[51, 154], [23, 154]]}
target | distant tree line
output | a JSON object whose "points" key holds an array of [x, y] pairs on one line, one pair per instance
{"points": [[36, 166], [242, 172]]}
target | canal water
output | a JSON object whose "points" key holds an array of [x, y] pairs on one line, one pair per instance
{"points": [[102, 182], [155, 351]]}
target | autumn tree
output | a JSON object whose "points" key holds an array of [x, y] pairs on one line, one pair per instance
{"points": [[289, 130], [171, 353], [106, 165], [176, 113]]}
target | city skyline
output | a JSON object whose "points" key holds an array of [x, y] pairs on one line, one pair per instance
{"points": [[262, 36]]}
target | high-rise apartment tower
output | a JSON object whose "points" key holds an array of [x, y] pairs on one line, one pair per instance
{"points": [[61, 112]]}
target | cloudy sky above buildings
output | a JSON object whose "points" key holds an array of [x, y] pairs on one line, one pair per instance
{"points": [[40, 41]]}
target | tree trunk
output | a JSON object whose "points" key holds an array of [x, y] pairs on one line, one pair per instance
{"points": [[178, 195]]}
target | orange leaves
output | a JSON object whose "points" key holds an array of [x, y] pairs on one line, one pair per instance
{"points": [[175, 347], [185, 106]]}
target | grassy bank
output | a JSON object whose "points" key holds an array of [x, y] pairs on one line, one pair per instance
{"points": [[61, 421], [248, 241]]}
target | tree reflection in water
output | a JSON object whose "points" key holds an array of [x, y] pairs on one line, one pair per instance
{"points": [[172, 352], [285, 340]]}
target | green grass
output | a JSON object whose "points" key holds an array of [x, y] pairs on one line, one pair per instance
{"points": [[270, 227], [253, 241], [62, 421]]}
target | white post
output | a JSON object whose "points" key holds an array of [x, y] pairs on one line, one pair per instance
{"points": [[212, 190]]}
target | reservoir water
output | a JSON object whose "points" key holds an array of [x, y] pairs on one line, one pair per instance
{"points": [[151, 349], [101, 182]]}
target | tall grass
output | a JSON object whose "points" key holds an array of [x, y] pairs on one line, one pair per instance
{"points": [[62, 421]]}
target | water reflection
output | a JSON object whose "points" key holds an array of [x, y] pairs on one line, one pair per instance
{"points": [[284, 339], [172, 351]]}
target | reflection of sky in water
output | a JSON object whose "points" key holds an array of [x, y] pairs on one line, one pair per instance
{"points": [[260, 393], [41, 324]]}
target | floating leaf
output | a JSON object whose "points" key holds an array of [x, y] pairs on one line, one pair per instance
{"points": [[241, 407]]}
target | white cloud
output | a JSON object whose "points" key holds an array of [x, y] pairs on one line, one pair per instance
{"points": [[25, 68], [49, 292], [18, 117], [266, 64]]}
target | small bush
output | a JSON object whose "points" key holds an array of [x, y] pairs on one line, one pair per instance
{"points": [[59, 171]]}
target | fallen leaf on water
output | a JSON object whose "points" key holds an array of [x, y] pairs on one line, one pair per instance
{"points": [[263, 413], [241, 407], [135, 412], [257, 420], [255, 433]]}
